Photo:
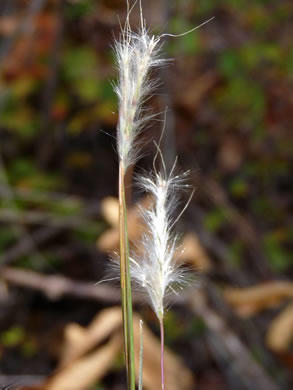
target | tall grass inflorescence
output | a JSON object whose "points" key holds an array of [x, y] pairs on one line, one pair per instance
{"points": [[156, 271], [136, 54]]}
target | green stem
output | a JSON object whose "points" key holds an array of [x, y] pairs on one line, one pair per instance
{"points": [[126, 284], [140, 355], [162, 353]]}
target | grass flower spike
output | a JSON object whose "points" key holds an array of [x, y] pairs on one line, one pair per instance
{"points": [[157, 271], [136, 55]]}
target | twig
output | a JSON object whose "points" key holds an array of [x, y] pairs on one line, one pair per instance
{"points": [[41, 196], [55, 287], [33, 217], [246, 230], [27, 244], [12, 382], [18, 228], [248, 370]]}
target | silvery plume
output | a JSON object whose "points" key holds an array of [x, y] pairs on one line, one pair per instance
{"points": [[136, 54], [156, 271]]}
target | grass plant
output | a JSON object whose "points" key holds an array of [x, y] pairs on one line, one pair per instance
{"points": [[156, 271], [136, 54]]}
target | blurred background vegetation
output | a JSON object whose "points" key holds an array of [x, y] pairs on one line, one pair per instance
{"points": [[230, 100]]}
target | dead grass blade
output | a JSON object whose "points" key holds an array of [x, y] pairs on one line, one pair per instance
{"points": [[280, 333], [251, 300]]}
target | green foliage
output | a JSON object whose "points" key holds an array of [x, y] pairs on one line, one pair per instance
{"points": [[216, 219], [243, 61], [173, 327], [90, 232], [188, 44], [236, 253], [75, 10], [45, 261], [196, 328], [24, 173], [230, 64], [12, 336], [66, 207], [16, 336], [239, 187], [16, 114], [289, 64], [244, 100], [278, 257], [264, 208], [20, 120], [205, 6], [29, 348], [98, 387], [7, 237], [79, 69]]}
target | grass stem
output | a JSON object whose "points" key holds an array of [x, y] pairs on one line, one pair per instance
{"points": [[126, 283], [162, 352], [140, 355]]}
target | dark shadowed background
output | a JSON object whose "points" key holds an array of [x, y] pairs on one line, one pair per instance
{"points": [[229, 95]]}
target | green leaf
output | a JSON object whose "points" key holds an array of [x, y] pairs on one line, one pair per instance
{"points": [[186, 44], [91, 232], [7, 237], [237, 252], [79, 9], [12, 336], [216, 219], [279, 259], [230, 64], [173, 327], [79, 62], [239, 187]]}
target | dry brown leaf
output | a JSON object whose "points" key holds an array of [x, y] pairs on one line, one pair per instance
{"points": [[195, 90], [8, 25], [109, 241], [23, 58], [194, 253], [253, 299], [177, 376], [85, 372], [110, 210], [280, 333], [80, 368], [79, 340], [231, 153]]}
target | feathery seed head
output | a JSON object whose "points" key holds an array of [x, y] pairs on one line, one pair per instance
{"points": [[136, 55], [157, 271]]}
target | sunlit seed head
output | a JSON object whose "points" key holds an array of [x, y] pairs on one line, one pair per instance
{"points": [[136, 54], [157, 271]]}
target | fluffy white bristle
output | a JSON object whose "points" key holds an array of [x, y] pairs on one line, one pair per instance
{"points": [[156, 271], [136, 55]]}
